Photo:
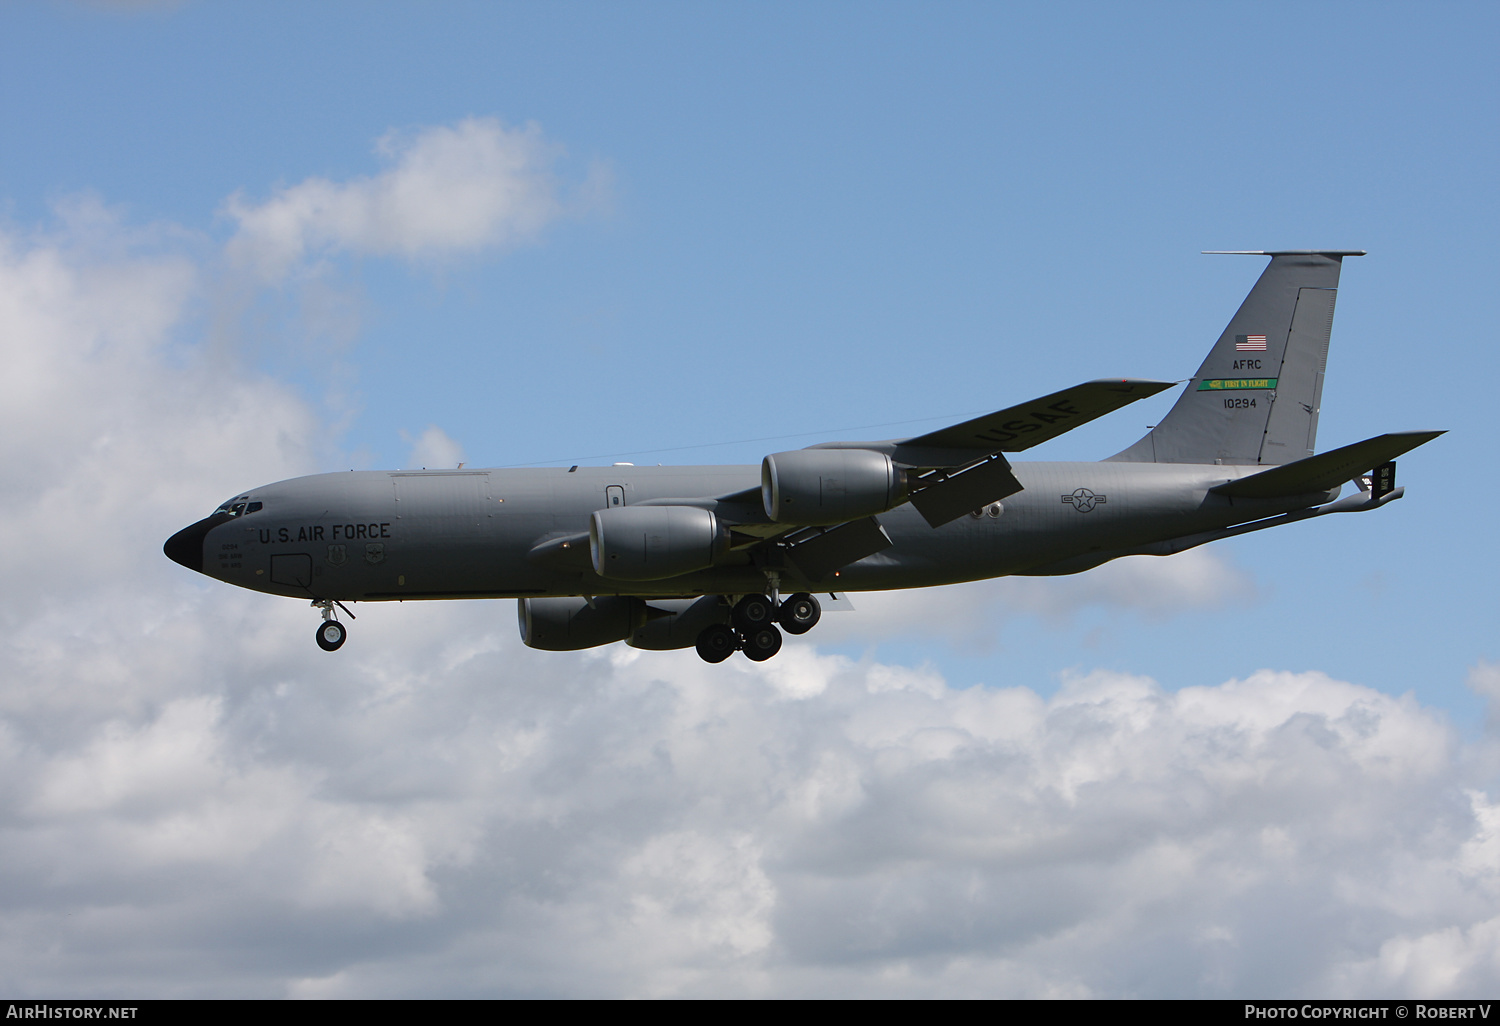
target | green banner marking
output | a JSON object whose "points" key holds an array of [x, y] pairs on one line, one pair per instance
{"points": [[1234, 384]]}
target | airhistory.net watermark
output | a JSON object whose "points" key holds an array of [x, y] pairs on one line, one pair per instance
{"points": [[50, 1011]]}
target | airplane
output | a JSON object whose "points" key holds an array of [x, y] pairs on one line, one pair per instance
{"points": [[700, 557]]}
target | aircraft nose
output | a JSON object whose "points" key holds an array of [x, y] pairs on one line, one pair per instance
{"points": [[186, 546]]}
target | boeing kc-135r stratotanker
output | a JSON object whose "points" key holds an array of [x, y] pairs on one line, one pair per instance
{"points": [[673, 557]]}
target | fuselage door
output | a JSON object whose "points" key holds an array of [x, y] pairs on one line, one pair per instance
{"points": [[292, 569], [614, 496]]}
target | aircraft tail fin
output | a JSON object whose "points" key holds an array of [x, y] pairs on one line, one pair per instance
{"points": [[1256, 397]]}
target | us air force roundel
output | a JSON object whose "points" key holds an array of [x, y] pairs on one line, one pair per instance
{"points": [[1084, 500]]}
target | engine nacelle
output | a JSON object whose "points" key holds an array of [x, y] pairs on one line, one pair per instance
{"points": [[568, 624], [680, 628], [651, 543], [829, 486]]}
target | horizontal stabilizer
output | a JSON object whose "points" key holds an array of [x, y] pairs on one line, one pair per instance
{"points": [[1021, 427], [1327, 470]]}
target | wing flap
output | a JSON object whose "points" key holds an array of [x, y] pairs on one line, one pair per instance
{"points": [[953, 496], [829, 549], [1326, 470]]}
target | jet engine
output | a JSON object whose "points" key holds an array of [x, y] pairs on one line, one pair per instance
{"points": [[568, 624], [650, 543], [829, 486], [683, 622]]}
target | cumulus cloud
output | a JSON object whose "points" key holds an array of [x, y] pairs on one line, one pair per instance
{"points": [[448, 190], [195, 800], [424, 815], [968, 615], [433, 448], [1484, 680], [104, 416]]}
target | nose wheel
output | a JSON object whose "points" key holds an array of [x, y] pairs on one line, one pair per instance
{"points": [[331, 633]]}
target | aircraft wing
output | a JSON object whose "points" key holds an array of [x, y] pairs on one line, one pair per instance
{"points": [[960, 468], [1020, 427], [1326, 470], [954, 470]]}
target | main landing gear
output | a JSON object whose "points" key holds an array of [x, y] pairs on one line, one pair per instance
{"points": [[331, 633], [754, 629]]}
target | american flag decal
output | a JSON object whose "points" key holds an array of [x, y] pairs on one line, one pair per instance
{"points": [[1250, 343]]}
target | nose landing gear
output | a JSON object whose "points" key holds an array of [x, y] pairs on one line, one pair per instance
{"points": [[754, 632], [331, 633]]}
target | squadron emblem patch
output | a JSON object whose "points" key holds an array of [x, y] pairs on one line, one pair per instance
{"points": [[338, 555], [375, 553]]}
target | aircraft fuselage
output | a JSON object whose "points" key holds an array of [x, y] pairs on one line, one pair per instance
{"points": [[724, 559], [380, 536]]}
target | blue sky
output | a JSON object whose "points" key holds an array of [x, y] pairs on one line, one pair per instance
{"points": [[747, 222]]}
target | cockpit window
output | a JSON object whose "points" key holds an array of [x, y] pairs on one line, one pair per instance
{"points": [[239, 507]]}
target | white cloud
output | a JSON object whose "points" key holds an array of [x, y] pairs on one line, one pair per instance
{"points": [[449, 190], [433, 449], [1484, 681], [195, 800], [969, 615], [108, 423]]}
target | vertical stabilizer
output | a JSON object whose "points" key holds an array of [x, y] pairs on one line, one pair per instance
{"points": [[1255, 400]]}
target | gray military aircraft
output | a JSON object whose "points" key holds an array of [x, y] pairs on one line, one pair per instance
{"points": [[673, 557]]}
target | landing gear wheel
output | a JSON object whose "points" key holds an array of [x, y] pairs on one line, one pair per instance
{"points": [[761, 643], [799, 614], [331, 635], [752, 612], [717, 643]]}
